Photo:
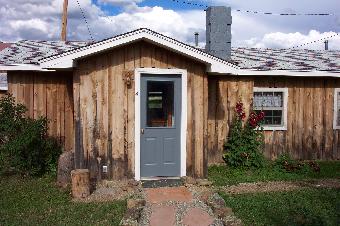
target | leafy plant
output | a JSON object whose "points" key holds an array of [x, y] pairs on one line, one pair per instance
{"points": [[244, 146], [24, 143], [287, 163]]}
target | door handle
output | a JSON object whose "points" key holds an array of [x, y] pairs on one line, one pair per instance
{"points": [[142, 131]]}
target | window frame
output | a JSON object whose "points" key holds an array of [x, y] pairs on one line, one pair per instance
{"points": [[4, 85], [285, 106], [335, 108]]}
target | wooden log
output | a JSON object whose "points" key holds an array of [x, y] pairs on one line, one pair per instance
{"points": [[80, 183]]}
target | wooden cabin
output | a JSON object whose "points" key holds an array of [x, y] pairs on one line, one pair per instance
{"points": [[143, 105]]}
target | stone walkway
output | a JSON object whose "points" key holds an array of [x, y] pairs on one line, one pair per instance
{"points": [[170, 206]]}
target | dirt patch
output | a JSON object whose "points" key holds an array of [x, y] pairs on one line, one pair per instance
{"points": [[108, 191], [275, 186]]}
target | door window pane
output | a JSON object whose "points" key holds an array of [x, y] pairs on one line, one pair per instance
{"points": [[160, 104]]}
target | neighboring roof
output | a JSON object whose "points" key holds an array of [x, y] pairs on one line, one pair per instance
{"points": [[3, 81], [30, 52], [4, 45], [286, 59], [67, 59]]}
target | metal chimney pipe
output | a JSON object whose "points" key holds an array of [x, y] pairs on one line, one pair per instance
{"points": [[326, 45], [196, 39]]}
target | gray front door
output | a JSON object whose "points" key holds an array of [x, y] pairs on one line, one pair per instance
{"points": [[161, 100]]}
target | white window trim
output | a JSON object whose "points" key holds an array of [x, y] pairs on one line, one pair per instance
{"points": [[285, 106], [335, 110], [160, 72]]}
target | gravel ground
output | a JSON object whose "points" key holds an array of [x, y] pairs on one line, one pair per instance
{"points": [[280, 186], [115, 190]]}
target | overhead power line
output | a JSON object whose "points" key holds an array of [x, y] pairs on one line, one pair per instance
{"points": [[312, 42], [87, 25], [256, 12]]}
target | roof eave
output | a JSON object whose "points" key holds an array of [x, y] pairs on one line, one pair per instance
{"points": [[22, 67], [290, 73], [69, 59]]}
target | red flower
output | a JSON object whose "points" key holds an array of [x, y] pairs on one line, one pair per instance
{"points": [[260, 116], [243, 115], [239, 110]]}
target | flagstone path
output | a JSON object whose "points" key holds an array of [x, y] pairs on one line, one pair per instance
{"points": [[170, 206]]}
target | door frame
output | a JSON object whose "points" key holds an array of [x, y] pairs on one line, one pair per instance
{"points": [[159, 72]]}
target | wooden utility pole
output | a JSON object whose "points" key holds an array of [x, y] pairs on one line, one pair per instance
{"points": [[64, 22]]}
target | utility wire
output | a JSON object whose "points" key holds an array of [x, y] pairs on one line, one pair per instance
{"points": [[87, 25], [256, 12], [321, 39]]}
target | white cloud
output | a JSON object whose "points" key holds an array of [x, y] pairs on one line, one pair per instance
{"points": [[41, 19], [289, 40]]}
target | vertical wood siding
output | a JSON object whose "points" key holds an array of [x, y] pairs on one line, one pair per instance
{"points": [[223, 95], [309, 133], [48, 95], [104, 108]]}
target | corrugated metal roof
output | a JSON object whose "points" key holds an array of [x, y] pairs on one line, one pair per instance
{"points": [[30, 52], [286, 59]]}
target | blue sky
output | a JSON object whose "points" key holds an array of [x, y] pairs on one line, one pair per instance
{"points": [[40, 19], [167, 4]]}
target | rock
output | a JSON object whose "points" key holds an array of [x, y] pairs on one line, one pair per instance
{"points": [[128, 223], [124, 188], [222, 212], [189, 180], [216, 201], [205, 196], [204, 182], [65, 166], [131, 216], [133, 183], [232, 221], [135, 203]]}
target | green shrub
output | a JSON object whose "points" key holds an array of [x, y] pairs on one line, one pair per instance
{"points": [[24, 143], [244, 146], [287, 163]]}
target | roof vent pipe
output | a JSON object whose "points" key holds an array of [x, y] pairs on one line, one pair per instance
{"points": [[196, 39], [326, 45]]}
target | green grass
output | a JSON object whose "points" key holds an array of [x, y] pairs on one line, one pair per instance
{"points": [[223, 175], [302, 207], [37, 201]]}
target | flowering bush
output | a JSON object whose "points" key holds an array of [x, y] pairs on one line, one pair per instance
{"points": [[244, 145]]}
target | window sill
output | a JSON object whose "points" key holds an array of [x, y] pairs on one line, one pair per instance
{"points": [[274, 128]]}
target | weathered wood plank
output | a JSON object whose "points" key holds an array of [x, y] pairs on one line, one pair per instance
{"points": [[69, 117], [130, 104], [212, 121], [328, 117]]}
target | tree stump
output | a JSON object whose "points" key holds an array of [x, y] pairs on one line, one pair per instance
{"points": [[80, 183]]}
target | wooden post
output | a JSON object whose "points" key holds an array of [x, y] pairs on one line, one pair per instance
{"points": [[64, 22], [80, 183]]}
